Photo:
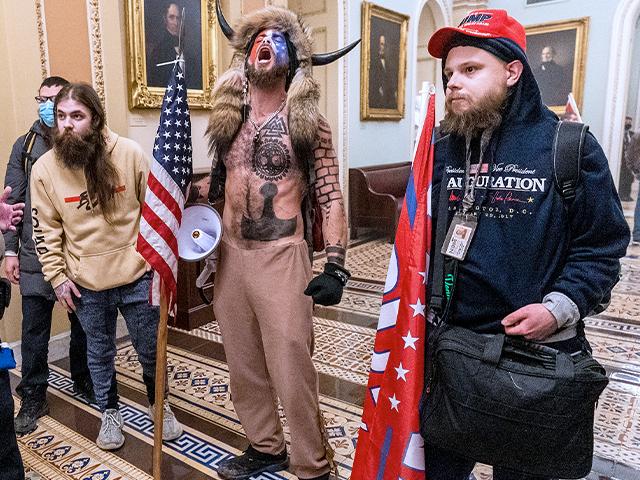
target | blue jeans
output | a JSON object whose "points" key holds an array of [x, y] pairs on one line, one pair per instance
{"points": [[636, 221], [10, 462], [36, 331], [98, 312]]}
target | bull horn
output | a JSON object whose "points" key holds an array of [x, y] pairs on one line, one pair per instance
{"points": [[224, 25], [320, 59]]}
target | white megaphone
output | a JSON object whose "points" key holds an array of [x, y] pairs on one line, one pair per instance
{"points": [[198, 237]]}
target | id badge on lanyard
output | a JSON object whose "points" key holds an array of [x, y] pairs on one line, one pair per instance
{"points": [[464, 224], [461, 232]]}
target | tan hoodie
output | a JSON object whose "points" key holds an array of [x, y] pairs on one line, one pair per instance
{"points": [[72, 238]]}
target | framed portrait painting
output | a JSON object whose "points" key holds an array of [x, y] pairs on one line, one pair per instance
{"points": [[557, 54], [383, 68], [153, 40]]}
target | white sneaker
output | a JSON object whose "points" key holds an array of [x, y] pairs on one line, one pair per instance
{"points": [[110, 436], [171, 428]]}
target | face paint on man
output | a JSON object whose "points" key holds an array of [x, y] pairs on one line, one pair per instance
{"points": [[268, 59]]}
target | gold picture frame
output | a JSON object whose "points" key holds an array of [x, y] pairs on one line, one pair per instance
{"points": [[149, 40], [557, 53], [383, 75]]}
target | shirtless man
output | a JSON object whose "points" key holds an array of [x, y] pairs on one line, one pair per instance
{"points": [[264, 293]]}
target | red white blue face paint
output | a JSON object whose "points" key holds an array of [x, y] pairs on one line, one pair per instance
{"points": [[269, 50]]}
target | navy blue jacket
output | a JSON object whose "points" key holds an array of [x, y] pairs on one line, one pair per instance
{"points": [[527, 244]]}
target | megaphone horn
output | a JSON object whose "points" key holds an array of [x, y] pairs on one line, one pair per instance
{"points": [[200, 232]]}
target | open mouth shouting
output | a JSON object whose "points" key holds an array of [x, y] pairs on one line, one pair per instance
{"points": [[264, 55]]}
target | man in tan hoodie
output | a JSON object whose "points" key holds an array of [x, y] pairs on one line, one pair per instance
{"points": [[87, 195]]}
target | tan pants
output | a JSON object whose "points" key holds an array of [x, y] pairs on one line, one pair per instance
{"points": [[267, 330]]}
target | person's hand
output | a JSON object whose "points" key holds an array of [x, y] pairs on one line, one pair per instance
{"points": [[10, 215], [12, 269], [65, 292], [326, 288], [533, 322]]}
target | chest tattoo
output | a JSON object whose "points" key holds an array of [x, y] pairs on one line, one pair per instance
{"points": [[271, 159], [268, 226]]}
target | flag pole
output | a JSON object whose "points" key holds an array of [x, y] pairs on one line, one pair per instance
{"points": [[161, 378]]}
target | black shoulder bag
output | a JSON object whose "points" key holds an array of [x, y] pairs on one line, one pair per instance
{"points": [[502, 400]]}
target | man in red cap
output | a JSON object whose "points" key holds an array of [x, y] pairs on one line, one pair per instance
{"points": [[531, 265]]}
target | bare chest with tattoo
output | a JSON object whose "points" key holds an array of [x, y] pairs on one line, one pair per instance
{"points": [[264, 186]]}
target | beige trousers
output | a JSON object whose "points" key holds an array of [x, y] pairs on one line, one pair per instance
{"points": [[267, 330]]}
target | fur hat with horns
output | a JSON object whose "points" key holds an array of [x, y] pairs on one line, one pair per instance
{"points": [[303, 93]]}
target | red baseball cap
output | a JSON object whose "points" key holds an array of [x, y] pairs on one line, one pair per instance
{"points": [[487, 23]]}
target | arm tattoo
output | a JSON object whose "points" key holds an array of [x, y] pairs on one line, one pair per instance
{"points": [[329, 196]]}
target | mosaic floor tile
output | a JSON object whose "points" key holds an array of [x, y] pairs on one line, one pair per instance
{"points": [[341, 350], [56, 452], [201, 385], [193, 448], [368, 261]]}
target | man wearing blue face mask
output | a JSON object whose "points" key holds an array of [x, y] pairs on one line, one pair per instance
{"points": [[23, 268]]}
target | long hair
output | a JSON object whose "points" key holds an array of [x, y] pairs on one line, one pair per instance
{"points": [[100, 173]]}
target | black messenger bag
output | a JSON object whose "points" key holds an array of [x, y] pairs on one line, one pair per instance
{"points": [[511, 403]]}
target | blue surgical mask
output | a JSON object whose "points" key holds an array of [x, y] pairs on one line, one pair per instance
{"points": [[45, 110]]}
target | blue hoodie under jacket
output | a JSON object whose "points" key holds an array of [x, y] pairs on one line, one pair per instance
{"points": [[527, 244]]}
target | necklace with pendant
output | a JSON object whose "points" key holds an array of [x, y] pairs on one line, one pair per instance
{"points": [[258, 128]]}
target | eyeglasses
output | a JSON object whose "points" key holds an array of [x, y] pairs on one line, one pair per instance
{"points": [[41, 99]]}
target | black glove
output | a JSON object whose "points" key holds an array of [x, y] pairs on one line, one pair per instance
{"points": [[326, 288]]}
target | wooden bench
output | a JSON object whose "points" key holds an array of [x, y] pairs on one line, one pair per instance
{"points": [[376, 194]]}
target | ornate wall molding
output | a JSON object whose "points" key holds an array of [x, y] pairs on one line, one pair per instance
{"points": [[623, 31], [95, 47], [42, 38]]}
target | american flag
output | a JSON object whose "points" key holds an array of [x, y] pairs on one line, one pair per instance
{"points": [[389, 442], [167, 187]]}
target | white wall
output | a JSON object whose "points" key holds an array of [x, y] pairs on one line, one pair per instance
{"points": [[601, 15]]}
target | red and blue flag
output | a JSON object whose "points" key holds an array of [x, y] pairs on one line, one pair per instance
{"points": [[389, 445]]}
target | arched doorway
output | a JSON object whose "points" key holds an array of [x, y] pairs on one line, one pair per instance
{"points": [[619, 81], [432, 14]]}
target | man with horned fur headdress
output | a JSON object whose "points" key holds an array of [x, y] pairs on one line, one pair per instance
{"points": [[272, 150]]}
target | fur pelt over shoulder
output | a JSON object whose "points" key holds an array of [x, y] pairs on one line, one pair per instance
{"points": [[303, 94]]}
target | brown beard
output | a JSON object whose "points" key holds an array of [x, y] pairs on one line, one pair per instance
{"points": [[89, 152], [485, 114], [77, 151], [266, 78]]}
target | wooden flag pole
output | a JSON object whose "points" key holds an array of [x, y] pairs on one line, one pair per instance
{"points": [[161, 379]]}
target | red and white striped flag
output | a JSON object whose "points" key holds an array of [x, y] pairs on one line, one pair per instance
{"points": [[167, 187]]}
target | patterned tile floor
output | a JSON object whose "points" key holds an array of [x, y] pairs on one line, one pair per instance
{"points": [[54, 451], [199, 385]]}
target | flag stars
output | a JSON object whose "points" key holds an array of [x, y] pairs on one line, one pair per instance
{"points": [[167, 111], [169, 88], [402, 372], [409, 341], [418, 308], [176, 170], [167, 123], [166, 134], [166, 158], [179, 87], [180, 75], [156, 147], [394, 403]]}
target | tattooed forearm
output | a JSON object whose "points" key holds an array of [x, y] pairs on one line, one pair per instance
{"points": [[329, 195], [336, 254]]}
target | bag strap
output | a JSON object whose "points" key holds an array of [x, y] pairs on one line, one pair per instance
{"points": [[27, 147], [438, 300], [567, 157]]}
